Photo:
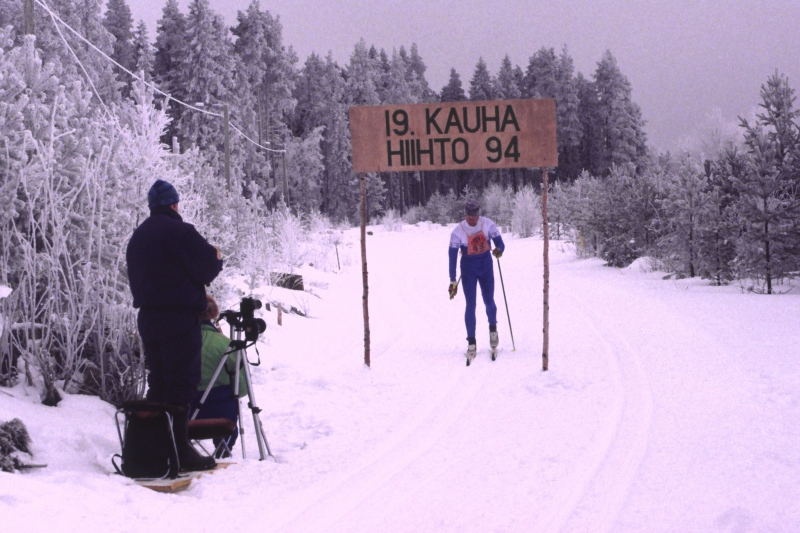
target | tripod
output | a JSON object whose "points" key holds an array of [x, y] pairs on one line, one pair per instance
{"points": [[239, 347]]}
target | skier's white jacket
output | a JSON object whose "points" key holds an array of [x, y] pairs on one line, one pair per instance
{"points": [[473, 242]]}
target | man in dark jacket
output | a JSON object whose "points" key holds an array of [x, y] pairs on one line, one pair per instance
{"points": [[169, 265]]}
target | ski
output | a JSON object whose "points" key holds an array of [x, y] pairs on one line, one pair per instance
{"points": [[179, 484]]}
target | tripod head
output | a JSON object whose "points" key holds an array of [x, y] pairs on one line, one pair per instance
{"points": [[244, 321]]}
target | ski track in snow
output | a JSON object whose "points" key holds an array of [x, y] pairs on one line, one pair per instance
{"points": [[326, 505], [592, 496]]}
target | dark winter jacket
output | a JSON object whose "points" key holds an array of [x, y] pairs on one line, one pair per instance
{"points": [[169, 263]]}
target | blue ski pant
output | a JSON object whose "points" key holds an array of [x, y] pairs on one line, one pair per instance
{"points": [[478, 271]]}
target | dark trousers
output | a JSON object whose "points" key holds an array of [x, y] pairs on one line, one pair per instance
{"points": [[172, 343], [478, 271]]}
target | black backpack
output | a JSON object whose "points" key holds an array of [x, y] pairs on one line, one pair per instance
{"points": [[148, 444]]}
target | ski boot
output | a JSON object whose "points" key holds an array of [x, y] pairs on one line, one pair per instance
{"points": [[494, 341], [472, 350]]}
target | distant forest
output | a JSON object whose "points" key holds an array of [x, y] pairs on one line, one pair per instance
{"points": [[81, 140], [302, 106]]}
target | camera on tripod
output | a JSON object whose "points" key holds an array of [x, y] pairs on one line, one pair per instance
{"points": [[245, 321]]}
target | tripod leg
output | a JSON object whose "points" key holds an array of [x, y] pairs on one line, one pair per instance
{"points": [[209, 387], [238, 401], [241, 430], [261, 439]]}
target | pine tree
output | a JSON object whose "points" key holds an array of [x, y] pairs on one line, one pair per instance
{"points": [[684, 207], [143, 52], [719, 227], [768, 200], [507, 87], [591, 145], [84, 16], [398, 90], [266, 61], [119, 23], [320, 95], [169, 55], [482, 85], [568, 123], [417, 68], [264, 97], [453, 91], [384, 73], [619, 120], [540, 77], [362, 73], [206, 72]]}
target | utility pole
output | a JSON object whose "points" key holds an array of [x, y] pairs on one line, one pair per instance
{"points": [[28, 26], [226, 120]]}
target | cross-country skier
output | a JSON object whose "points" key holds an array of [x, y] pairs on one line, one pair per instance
{"points": [[472, 237]]}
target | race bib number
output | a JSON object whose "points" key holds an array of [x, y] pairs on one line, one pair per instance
{"points": [[477, 244]]}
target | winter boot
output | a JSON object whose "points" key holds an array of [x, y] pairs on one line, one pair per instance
{"points": [[190, 460]]}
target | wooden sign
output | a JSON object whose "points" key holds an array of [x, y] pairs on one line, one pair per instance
{"points": [[454, 135]]}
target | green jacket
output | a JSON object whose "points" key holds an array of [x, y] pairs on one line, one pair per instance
{"points": [[215, 344]]}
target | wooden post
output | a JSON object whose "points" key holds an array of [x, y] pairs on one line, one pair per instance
{"points": [[546, 317], [364, 266], [28, 18], [227, 132]]}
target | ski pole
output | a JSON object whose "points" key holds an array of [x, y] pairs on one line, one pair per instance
{"points": [[513, 344]]}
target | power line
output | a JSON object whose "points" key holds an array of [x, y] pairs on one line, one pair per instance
{"points": [[151, 85], [80, 64]]}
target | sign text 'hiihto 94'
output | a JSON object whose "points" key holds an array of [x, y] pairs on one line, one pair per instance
{"points": [[454, 135]]}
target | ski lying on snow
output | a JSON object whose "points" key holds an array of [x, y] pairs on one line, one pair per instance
{"points": [[180, 483]]}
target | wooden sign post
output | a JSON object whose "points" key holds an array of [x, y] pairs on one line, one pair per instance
{"points": [[452, 136], [546, 289]]}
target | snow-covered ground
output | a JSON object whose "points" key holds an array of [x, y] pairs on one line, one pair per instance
{"points": [[669, 406]]}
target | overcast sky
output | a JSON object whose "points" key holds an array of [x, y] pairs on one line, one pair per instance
{"points": [[684, 58]]}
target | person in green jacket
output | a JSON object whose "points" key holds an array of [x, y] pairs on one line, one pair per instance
{"points": [[221, 402]]}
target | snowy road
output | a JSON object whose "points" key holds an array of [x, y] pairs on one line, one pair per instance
{"points": [[668, 406]]}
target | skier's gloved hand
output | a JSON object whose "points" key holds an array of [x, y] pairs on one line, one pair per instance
{"points": [[497, 253], [453, 289]]}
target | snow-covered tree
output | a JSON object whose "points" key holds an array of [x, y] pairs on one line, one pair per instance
{"points": [[619, 124], [453, 91], [506, 85], [362, 73], [482, 85], [119, 23], [144, 56], [168, 57], [769, 248], [684, 207]]}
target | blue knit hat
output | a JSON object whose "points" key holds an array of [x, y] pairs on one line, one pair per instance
{"points": [[162, 193]]}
